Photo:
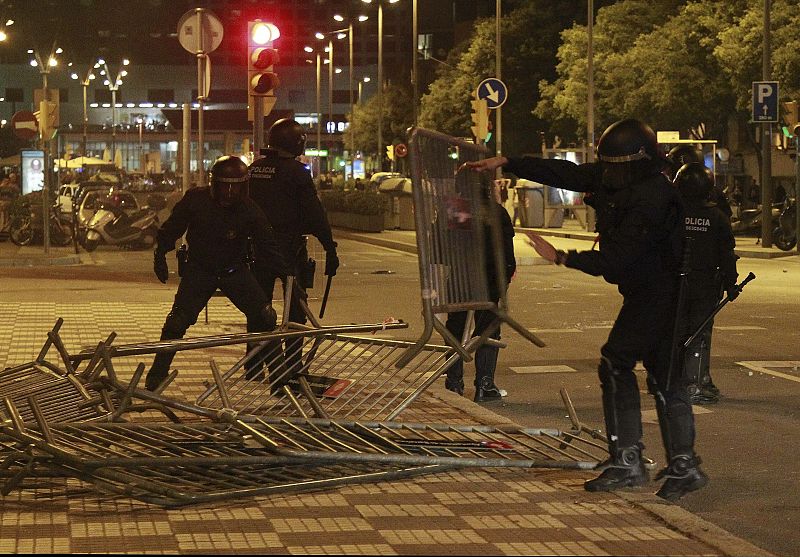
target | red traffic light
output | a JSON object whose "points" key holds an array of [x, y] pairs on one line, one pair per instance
{"points": [[263, 58], [263, 83], [261, 33]]}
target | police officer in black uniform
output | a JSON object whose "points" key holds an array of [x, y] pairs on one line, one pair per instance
{"points": [[217, 221], [640, 221], [282, 186], [712, 268], [686, 153]]}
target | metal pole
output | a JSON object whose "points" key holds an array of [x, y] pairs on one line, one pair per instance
{"points": [[797, 188], [330, 86], [201, 181], [498, 69], [415, 55], [258, 125], [380, 86], [187, 147], [352, 137], [44, 115], [113, 123], [85, 118], [766, 143], [319, 115], [590, 217]]}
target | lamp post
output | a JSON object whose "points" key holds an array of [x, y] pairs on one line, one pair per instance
{"points": [[44, 126], [340, 34], [380, 78], [361, 18], [113, 86], [85, 84], [319, 109]]}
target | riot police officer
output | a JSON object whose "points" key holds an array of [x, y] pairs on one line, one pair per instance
{"points": [[686, 153], [282, 186], [217, 221], [712, 267], [640, 221]]}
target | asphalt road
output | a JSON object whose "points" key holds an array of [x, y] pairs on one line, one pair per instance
{"points": [[747, 441]]}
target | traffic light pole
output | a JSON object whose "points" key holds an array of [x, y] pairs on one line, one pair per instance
{"points": [[797, 188], [201, 57], [766, 143], [258, 125]]}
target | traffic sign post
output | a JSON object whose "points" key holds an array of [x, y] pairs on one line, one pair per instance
{"points": [[493, 91], [24, 125], [765, 102], [200, 32]]}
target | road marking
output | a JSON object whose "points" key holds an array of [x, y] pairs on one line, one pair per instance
{"points": [[764, 365], [651, 417], [555, 330], [543, 369], [739, 328]]}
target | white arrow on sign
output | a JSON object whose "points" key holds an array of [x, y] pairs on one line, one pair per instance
{"points": [[25, 125], [493, 96]]}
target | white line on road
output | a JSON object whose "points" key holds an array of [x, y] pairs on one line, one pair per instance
{"points": [[543, 369], [739, 328], [763, 367], [555, 330]]}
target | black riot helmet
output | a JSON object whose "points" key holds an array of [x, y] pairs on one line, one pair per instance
{"points": [[229, 180], [629, 152], [683, 154], [694, 182], [287, 135]]}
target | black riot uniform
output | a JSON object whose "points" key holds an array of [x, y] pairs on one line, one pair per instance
{"points": [[639, 219], [282, 186], [217, 221], [712, 268], [688, 153]]}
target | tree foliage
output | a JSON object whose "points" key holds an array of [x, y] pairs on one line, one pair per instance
{"points": [[398, 115]]}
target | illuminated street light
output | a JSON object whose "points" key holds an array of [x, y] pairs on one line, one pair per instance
{"points": [[113, 86]]}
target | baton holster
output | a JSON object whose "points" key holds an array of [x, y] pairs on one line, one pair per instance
{"points": [[182, 255], [305, 275]]}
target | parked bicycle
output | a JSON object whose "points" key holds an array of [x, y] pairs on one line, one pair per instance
{"points": [[25, 228]]}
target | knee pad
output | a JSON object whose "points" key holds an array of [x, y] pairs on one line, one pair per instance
{"points": [[178, 321]]}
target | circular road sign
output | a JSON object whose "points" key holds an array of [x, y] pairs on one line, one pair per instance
{"points": [[400, 150], [25, 125], [494, 91], [199, 31]]}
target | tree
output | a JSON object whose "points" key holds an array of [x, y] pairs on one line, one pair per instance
{"points": [[398, 116], [530, 37]]}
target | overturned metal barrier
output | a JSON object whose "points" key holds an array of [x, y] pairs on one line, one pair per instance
{"points": [[328, 375], [458, 232]]}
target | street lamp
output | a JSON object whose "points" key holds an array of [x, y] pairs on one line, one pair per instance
{"points": [[85, 83], [380, 77], [361, 18], [361, 82], [319, 109], [340, 34], [3, 33], [113, 86]]}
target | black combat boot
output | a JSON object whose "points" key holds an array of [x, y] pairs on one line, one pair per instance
{"points": [[624, 469], [154, 379], [683, 475], [486, 390], [455, 385]]}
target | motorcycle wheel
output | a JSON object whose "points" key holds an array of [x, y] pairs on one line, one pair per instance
{"points": [[59, 237], [782, 241], [21, 232], [90, 245]]}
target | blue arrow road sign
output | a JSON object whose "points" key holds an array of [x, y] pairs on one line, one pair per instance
{"points": [[765, 101], [494, 91]]}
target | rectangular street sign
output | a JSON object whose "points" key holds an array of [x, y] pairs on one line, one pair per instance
{"points": [[765, 101]]}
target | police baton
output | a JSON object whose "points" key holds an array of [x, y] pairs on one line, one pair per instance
{"points": [[325, 296], [676, 351], [720, 305]]}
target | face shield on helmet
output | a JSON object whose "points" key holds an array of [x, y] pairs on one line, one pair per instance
{"points": [[229, 181], [287, 135], [629, 152]]}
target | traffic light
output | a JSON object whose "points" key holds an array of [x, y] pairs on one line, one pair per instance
{"points": [[480, 119], [390, 152], [261, 57]]}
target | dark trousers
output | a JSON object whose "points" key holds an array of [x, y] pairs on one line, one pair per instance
{"points": [[697, 358], [485, 355], [643, 331], [195, 290]]}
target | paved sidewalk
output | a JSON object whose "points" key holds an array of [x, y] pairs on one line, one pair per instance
{"points": [[477, 512]]}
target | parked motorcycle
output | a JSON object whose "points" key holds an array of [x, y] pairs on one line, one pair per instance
{"points": [[23, 229], [113, 225], [785, 234], [749, 220]]}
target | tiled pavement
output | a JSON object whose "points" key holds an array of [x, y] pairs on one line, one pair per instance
{"points": [[480, 512]]}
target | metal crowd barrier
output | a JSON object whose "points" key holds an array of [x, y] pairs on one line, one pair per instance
{"points": [[452, 219]]}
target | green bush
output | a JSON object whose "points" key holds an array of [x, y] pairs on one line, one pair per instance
{"points": [[357, 202]]}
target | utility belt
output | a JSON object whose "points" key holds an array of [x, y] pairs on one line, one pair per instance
{"points": [[182, 255]]}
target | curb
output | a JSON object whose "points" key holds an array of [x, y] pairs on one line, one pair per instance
{"points": [[40, 261], [672, 515]]}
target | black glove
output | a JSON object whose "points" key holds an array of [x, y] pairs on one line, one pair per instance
{"points": [[331, 263], [733, 292], [160, 265]]}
